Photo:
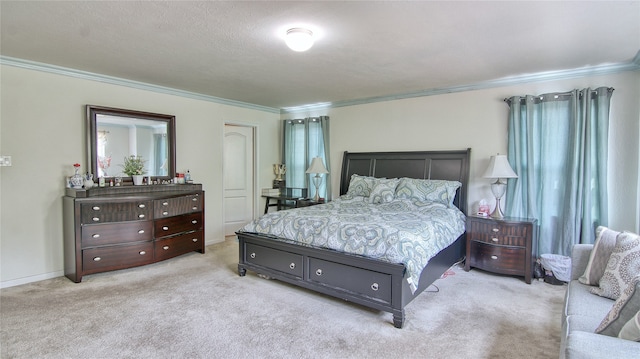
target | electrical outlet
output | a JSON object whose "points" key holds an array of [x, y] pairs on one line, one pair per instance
{"points": [[5, 160]]}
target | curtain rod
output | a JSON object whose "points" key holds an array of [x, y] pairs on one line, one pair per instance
{"points": [[554, 94]]}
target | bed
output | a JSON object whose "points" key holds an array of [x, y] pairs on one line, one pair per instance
{"points": [[361, 277]]}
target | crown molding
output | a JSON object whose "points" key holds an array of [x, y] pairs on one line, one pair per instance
{"points": [[633, 65], [59, 70]]}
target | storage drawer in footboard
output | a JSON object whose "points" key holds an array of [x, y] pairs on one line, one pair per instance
{"points": [[285, 262], [351, 279]]}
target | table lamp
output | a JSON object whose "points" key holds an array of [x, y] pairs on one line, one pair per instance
{"points": [[318, 168], [499, 168]]}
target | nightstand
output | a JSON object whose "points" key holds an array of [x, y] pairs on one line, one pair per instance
{"points": [[286, 202], [505, 246]]}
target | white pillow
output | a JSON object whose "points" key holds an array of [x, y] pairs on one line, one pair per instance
{"points": [[602, 247], [631, 330]]}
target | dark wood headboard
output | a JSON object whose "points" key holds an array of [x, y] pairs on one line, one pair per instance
{"points": [[443, 165]]}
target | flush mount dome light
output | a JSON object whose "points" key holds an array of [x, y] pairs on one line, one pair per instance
{"points": [[299, 39]]}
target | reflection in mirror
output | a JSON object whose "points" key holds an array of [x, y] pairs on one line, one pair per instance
{"points": [[115, 134]]}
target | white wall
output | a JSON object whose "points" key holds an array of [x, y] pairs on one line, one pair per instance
{"points": [[42, 126], [478, 119]]}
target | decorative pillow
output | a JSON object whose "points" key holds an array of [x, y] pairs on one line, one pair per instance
{"points": [[603, 246], [622, 311], [631, 330], [440, 191], [360, 185], [384, 191], [623, 265]]}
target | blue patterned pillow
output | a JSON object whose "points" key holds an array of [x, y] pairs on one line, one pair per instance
{"points": [[360, 185], [439, 191], [383, 191]]}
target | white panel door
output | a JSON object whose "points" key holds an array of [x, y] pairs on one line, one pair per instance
{"points": [[238, 177]]}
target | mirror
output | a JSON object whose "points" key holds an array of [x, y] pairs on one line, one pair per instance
{"points": [[114, 134]]}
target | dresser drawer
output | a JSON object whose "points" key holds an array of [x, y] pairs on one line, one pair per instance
{"points": [[281, 261], [178, 205], [178, 224], [372, 284], [115, 211], [174, 246], [116, 257], [509, 234], [113, 233], [497, 258]]}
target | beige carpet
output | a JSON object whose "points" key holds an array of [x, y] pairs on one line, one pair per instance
{"points": [[196, 306]]}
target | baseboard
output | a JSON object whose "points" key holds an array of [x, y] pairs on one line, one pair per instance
{"points": [[31, 279], [37, 278]]}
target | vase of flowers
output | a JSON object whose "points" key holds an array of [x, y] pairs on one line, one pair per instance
{"points": [[134, 166]]}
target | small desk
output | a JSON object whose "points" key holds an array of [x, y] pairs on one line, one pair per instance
{"points": [[281, 202]]}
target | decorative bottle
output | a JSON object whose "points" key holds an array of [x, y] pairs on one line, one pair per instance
{"points": [[77, 181]]}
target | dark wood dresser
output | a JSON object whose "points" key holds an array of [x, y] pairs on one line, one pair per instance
{"points": [[506, 246], [121, 227]]}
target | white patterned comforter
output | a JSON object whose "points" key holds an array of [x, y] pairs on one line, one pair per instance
{"points": [[402, 231]]}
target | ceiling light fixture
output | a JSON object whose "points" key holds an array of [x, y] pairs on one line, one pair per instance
{"points": [[299, 39]]}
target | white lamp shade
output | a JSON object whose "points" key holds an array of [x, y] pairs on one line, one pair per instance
{"points": [[299, 39], [317, 166], [499, 168]]}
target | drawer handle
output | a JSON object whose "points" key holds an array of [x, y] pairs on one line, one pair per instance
{"points": [[165, 247], [165, 213], [142, 253], [194, 199], [165, 203], [96, 208], [318, 272], [495, 230], [194, 240], [194, 208], [494, 257], [96, 259], [141, 216], [96, 235], [141, 205], [194, 222], [165, 228], [96, 219], [292, 265], [495, 239], [252, 255], [141, 231], [374, 286]]}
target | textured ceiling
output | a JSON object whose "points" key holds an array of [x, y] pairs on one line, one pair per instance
{"points": [[234, 50]]}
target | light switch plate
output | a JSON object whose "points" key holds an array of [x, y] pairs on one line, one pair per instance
{"points": [[5, 160]]}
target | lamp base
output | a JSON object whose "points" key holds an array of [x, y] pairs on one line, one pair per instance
{"points": [[498, 188], [316, 181], [497, 212]]}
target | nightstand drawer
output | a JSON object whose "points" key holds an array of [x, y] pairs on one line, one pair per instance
{"points": [[509, 234], [497, 258]]}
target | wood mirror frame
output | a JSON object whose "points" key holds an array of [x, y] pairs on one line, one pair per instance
{"points": [[130, 121]]}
